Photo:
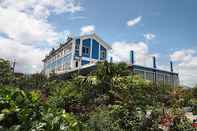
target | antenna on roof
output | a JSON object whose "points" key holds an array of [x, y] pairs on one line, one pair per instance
{"points": [[132, 57], [171, 66], [154, 62]]}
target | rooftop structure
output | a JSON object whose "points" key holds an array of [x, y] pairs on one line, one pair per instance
{"points": [[154, 74], [76, 53]]}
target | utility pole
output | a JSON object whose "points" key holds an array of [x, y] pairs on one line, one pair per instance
{"points": [[13, 66]]}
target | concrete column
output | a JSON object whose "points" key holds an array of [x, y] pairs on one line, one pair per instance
{"points": [[72, 64]]}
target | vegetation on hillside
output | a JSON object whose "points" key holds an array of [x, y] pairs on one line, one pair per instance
{"points": [[110, 99]]}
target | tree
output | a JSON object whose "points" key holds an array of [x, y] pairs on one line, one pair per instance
{"points": [[194, 92], [6, 75]]}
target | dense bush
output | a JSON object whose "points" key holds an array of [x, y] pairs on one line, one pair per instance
{"points": [[109, 99], [25, 111]]}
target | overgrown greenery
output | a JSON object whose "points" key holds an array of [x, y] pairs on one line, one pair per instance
{"points": [[110, 99]]}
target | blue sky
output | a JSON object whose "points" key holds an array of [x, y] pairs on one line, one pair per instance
{"points": [[165, 28], [172, 22]]}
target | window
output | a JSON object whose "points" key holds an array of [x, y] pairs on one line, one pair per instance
{"points": [[103, 54], [150, 76], [76, 50], [139, 73], [76, 64], [77, 47], [160, 78], [85, 50]]}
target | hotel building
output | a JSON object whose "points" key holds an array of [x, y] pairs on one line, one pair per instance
{"points": [[76, 53]]}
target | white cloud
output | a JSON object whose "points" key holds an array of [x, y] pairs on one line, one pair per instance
{"points": [[27, 33], [182, 55], [87, 29], [28, 58], [121, 52], [42, 8], [133, 22], [25, 28], [186, 60], [78, 17], [149, 36]]}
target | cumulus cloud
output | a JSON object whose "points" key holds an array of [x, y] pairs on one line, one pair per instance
{"points": [[121, 52], [149, 36], [25, 32], [182, 55], [42, 8], [87, 29], [27, 57], [186, 60], [25, 28], [133, 22]]}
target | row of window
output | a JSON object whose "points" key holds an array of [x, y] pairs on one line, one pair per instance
{"points": [[60, 54], [63, 60], [86, 52], [160, 77], [58, 68]]}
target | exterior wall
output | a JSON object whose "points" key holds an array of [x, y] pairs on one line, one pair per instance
{"points": [[95, 49], [84, 62], [75, 53], [93, 54], [60, 61], [77, 47], [161, 77]]}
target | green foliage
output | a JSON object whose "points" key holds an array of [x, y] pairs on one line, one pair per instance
{"points": [[102, 119], [29, 82], [180, 122], [6, 75], [194, 92], [24, 111], [110, 99]]}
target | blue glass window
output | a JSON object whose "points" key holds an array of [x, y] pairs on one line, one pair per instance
{"points": [[77, 46], [103, 53], [86, 48], [86, 51], [95, 49]]}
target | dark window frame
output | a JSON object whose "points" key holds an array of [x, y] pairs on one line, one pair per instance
{"points": [[86, 50], [103, 54]]}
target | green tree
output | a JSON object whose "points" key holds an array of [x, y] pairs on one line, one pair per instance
{"points": [[6, 75]]}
